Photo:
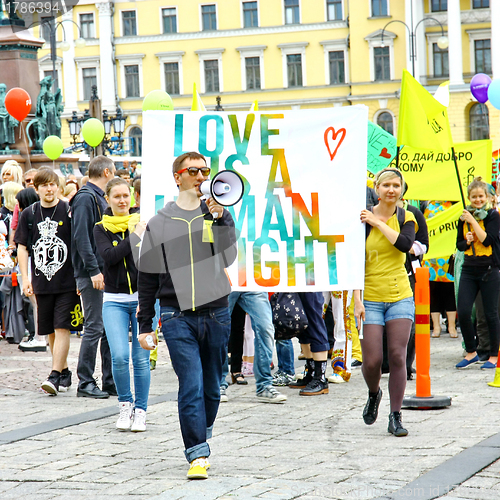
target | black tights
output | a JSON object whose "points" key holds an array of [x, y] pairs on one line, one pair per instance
{"points": [[398, 333]]}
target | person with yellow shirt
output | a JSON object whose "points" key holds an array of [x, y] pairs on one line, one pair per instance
{"points": [[478, 237], [115, 236], [388, 297]]}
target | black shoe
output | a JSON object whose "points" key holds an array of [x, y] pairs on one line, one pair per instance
{"points": [[301, 383], [65, 381], [91, 391], [356, 364], [370, 412], [51, 385], [315, 388], [396, 424], [110, 389]]}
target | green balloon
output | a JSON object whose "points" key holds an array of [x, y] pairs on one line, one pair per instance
{"points": [[53, 147], [93, 132], [157, 100]]}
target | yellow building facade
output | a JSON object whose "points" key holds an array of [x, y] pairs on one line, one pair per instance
{"points": [[286, 54]]}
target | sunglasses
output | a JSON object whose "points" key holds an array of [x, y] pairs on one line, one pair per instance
{"points": [[193, 171]]}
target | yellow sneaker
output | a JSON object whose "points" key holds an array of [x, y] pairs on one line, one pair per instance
{"points": [[198, 469]]}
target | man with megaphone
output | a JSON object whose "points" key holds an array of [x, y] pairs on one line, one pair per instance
{"points": [[184, 253]]}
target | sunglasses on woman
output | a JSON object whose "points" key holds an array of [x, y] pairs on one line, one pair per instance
{"points": [[193, 171]]}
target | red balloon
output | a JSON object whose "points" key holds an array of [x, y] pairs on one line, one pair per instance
{"points": [[18, 103]]}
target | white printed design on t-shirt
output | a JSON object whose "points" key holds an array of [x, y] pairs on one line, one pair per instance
{"points": [[49, 252]]}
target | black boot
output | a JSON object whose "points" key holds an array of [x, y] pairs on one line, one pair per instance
{"points": [[318, 385], [396, 424], [370, 412], [308, 376]]}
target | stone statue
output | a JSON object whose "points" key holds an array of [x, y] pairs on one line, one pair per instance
{"points": [[7, 122], [13, 18], [48, 113]]}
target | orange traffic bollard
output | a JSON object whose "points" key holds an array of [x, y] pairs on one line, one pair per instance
{"points": [[423, 398]]}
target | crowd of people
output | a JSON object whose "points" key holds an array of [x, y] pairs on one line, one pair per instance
{"points": [[88, 264]]}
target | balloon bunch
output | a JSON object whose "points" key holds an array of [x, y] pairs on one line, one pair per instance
{"points": [[483, 88]]}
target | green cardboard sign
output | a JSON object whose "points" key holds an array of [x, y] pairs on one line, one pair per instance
{"points": [[381, 148]]}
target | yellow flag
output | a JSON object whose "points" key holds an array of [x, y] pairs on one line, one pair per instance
{"points": [[254, 106], [443, 232], [423, 121], [197, 104]]}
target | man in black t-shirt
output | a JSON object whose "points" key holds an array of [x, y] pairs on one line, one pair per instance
{"points": [[44, 239]]}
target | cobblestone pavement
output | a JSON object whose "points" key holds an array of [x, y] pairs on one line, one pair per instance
{"points": [[307, 448]]}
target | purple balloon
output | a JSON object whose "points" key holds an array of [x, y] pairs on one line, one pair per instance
{"points": [[479, 86]]}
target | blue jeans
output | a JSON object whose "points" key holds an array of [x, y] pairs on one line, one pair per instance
{"points": [[197, 343], [257, 306], [284, 350], [117, 317]]}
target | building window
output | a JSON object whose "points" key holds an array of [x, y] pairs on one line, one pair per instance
{"points": [[439, 5], [169, 20], [337, 67], [479, 122], [135, 135], [482, 54], [334, 10], [46, 26], [385, 121], [440, 61], [208, 17], [250, 18], [379, 8], [480, 4], [382, 63], [252, 66], [129, 23], [211, 75], [89, 76], [172, 86], [292, 12], [87, 25], [294, 67], [50, 73], [132, 81]]}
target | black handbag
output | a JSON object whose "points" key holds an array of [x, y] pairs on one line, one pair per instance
{"points": [[289, 318]]}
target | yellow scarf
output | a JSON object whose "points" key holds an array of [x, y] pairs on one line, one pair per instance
{"points": [[120, 223]]}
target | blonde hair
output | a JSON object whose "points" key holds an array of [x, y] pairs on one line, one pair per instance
{"points": [[10, 189], [389, 173], [15, 169], [478, 183]]}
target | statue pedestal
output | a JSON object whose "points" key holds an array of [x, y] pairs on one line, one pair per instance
{"points": [[40, 160]]}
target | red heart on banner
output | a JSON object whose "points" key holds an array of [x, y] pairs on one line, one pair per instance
{"points": [[334, 141], [385, 153]]}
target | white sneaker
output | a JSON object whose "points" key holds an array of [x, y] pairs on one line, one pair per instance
{"points": [[33, 345], [125, 419], [271, 395], [139, 423], [223, 395], [335, 378]]}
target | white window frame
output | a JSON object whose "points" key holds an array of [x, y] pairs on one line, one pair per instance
{"points": [[243, 16], [335, 46], [375, 40], [88, 62], [207, 55], [80, 24], [136, 21], [284, 14], [216, 15], [130, 60], [171, 57], [385, 110], [288, 49], [433, 38], [161, 17], [252, 51], [334, 20], [388, 9], [431, 12], [479, 34], [45, 64]]}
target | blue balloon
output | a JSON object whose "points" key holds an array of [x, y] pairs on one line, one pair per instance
{"points": [[494, 93]]}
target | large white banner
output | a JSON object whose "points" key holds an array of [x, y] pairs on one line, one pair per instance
{"points": [[305, 185]]}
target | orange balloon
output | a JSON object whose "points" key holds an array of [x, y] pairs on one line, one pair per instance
{"points": [[18, 103]]}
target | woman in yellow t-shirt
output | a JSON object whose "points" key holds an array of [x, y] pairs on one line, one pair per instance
{"points": [[388, 298]]}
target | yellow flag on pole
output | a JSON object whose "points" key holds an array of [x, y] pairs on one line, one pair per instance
{"points": [[254, 106], [443, 232], [423, 121], [197, 104]]}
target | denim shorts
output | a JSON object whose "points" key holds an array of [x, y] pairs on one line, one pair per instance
{"points": [[378, 313]]}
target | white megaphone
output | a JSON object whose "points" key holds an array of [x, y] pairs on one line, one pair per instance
{"points": [[226, 188]]}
